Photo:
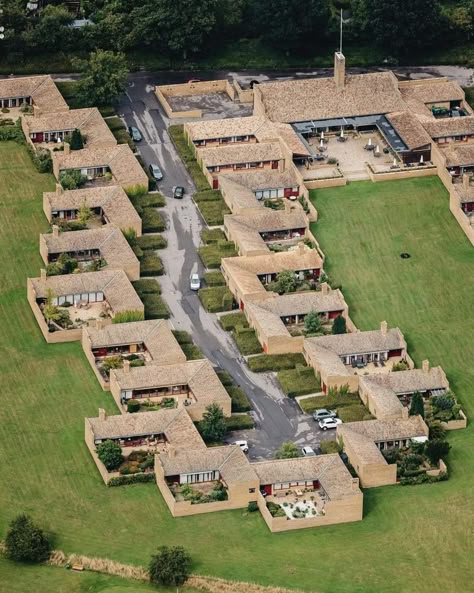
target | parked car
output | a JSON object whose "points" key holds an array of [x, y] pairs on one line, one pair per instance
{"points": [[308, 452], [135, 134], [322, 413], [195, 282], [243, 445], [155, 172], [329, 423], [178, 192], [344, 457]]}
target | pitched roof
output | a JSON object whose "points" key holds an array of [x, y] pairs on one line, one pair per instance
{"points": [[230, 461], [120, 159], [329, 470], [318, 98], [199, 375], [458, 155], [465, 195], [264, 179], [409, 129], [108, 239], [113, 200], [41, 89], [115, 285], [240, 153], [438, 90], [155, 334], [89, 121], [176, 425], [449, 126], [210, 129], [360, 342]]}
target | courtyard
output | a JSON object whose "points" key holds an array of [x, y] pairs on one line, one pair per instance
{"points": [[363, 229]]}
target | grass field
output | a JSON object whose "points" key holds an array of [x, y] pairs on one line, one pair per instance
{"points": [[412, 539]]}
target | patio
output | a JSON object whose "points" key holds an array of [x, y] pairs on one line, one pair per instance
{"points": [[372, 368], [307, 505], [82, 314]]}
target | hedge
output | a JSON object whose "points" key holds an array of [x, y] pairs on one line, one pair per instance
{"points": [[212, 254], [216, 299], [155, 306], [212, 236], [186, 153], [239, 422], [212, 207], [240, 401], [155, 200], [146, 286], [225, 378], [214, 279], [151, 265], [232, 320], [298, 381], [146, 242], [152, 221], [190, 350], [329, 447], [182, 337], [14, 133], [132, 479], [246, 340], [274, 362], [128, 316]]}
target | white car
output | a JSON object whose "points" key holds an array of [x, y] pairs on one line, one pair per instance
{"points": [[329, 423], [308, 452], [243, 445], [195, 282]]}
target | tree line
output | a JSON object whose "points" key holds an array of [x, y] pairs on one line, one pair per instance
{"points": [[181, 29]]}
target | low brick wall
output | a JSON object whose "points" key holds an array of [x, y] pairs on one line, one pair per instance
{"points": [[428, 170], [186, 89], [442, 469], [86, 346], [328, 182], [456, 424], [463, 220], [244, 95]]}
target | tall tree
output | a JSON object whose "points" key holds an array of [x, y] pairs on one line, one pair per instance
{"points": [[25, 542], [110, 454], [339, 325], [287, 450], [417, 407], [104, 76], [290, 24], [312, 322], [212, 426], [50, 32], [170, 566]]}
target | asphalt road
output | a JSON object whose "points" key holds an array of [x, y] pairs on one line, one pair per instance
{"points": [[278, 419]]}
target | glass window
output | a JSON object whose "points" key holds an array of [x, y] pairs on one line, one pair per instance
{"points": [[100, 297]]}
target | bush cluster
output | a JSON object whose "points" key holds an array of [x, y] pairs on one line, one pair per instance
{"points": [[274, 362], [239, 422], [132, 479]]}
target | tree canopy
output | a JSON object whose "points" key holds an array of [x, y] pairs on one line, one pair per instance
{"points": [[110, 454], [287, 450], [170, 566], [339, 325], [417, 407], [104, 77], [25, 542], [212, 426]]}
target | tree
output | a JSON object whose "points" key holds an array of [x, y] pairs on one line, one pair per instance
{"points": [[110, 454], [212, 426], [437, 432], [339, 325], [287, 450], [170, 566], [286, 281], [50, 32], [290, 25], [397, 26], [312, 322], [104, 76], [177, 26], [85, 214], [436, 450], [25, 542], [77, 142], [417, 406]]}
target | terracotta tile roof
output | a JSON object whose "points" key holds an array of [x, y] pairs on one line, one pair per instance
{"points": [[292, 140], [318, 98], [120, 159], [266, 179], [109, 240], [361, 342], [88, 121], [199, 375], [41, 89], [409, 129], [432, 90], [156, 335], [230, 461], [450, 126], [224, 128], [176, 425], [384, 398], [241, 153], [115, 285], [113, 200], [409, 381], [458, 155], [329, 470], [465, 195]]}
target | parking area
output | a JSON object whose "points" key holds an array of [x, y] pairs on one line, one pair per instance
{"points": [[215, 105]]}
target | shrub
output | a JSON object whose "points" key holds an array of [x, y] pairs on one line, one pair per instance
{"points": [[274, 362], [133, 406], [436, 450], [212, 426], [214, 279], [329, 447], [212, 207], [155, 200], [339, 325], [239, 422], [170, 566], [287, 450], [275, 509], [127, 316], [213, 253], [246, 340], [443, 402], [132, 479], [112, 362], [400, 366], [225, 378], [146, 286], [151, 264], [72, 179], [285, 281], [25, 542], [135, 191], [231, 321], [146, 242], [77, 142], [240, 401], [417, 407], [152, 221], [110, 454], [298, 381], [252, 507], [155, 306], [218, 298], [15, 133], [209, 236], [312, 322]]}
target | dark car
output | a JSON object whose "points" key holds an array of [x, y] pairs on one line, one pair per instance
{"points": [[155, 172], [178, 192], [135, 134], [322, 414]]}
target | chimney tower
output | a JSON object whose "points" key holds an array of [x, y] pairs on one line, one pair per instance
{"points": [[339, 70]]}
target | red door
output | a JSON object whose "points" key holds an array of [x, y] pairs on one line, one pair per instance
{"points": [[215, 183], [274, 164]]}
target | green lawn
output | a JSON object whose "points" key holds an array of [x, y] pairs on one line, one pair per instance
{"points": [[412, 539]]}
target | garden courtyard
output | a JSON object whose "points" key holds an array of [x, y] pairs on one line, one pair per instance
{"points": [[413, 539]]}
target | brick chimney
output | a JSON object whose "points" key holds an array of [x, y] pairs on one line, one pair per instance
{"points": [[324, 288], [43, 274], [102, 414], [171, 451], [384, 328], [126, 366], [466, 180], [67, 148], [55, 230], [301, 247], [425, 365], [339, 70], [59, 188], [99, 323], [404, 413]]}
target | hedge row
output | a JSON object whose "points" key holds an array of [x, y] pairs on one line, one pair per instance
{"points": [[212, 206], [152, 221], [232, 320], [240, 401], [153, 242], [155, 306], [216, 299], [298, 381], [213, 253], [274, 362], [151, 265], [186, 153], [191, 351], [214, 279], [212, 236], [239, 422], [146, 286], [246, 340], [132, 479]]}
